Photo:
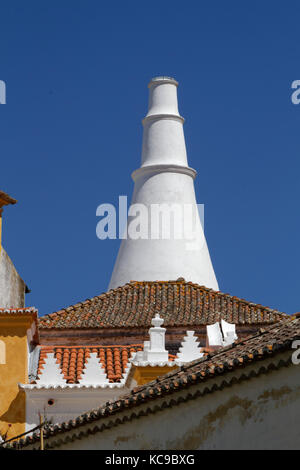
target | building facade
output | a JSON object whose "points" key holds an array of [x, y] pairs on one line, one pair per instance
{"points": [[141, 355]]}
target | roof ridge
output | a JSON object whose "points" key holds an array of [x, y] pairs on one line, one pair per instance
{"points": [[132, 284]]}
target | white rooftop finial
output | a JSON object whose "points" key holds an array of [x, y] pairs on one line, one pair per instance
{"points": [[157, 350], [157, 321], [51, 373], [154, 352], [189, 350]]}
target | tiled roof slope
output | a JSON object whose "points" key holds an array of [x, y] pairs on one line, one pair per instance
{"points": [[72, 359], [180, 303], [268, 342]]}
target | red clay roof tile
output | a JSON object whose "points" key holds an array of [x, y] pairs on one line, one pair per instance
{"points": [[180, 303], [72, 359]]}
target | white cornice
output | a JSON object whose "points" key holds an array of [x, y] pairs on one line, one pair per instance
{"points": [[159, 117], [162, 80], [163, 168], [33, 387], [153, 364]]}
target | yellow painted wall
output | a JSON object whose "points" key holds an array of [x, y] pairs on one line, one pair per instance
{"points": [[143, 375], [13, 333]]}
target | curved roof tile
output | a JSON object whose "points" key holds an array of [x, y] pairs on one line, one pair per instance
{"points": [[180, 303]]}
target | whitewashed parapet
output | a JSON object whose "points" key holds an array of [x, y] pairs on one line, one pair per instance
{"points": [[51, 373], [93, 373]]}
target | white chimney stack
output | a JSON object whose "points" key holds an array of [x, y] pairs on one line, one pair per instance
{"points": [[164, 180], [163, 139]]}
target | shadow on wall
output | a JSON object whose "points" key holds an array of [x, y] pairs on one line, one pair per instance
{"points": [[14, 415]]}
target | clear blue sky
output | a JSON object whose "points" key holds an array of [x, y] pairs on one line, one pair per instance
{"points": [[70, 135]]}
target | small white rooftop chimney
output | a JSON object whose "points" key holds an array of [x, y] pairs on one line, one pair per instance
{"points": [[154, 352], [157, 351], [221, 334], [164, 179]]}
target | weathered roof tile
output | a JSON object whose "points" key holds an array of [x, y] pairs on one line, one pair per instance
{"points": [[180, 303], [72, 359]]}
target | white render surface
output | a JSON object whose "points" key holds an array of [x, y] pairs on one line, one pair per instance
{"points": [[93, 372], [12, 287], [189, 350], [67, 402], [260, 413], [60, 401], [51, 372], [164, 178]]}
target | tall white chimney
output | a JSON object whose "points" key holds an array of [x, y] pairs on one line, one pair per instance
{"points": [[164, 179]]}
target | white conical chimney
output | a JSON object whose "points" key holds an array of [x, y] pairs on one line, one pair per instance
{"points": [[164, 179]]}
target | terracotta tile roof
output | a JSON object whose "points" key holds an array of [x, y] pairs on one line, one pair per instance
{"points": [[5, 199], [72, 359], [180, 303], [269, 342]]}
